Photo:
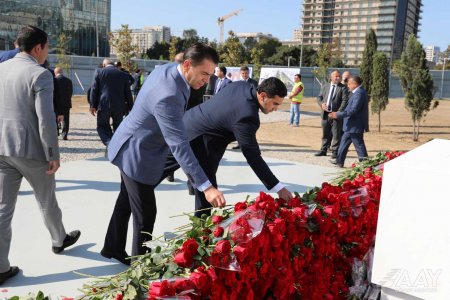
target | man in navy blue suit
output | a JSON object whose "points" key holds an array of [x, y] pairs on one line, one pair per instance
{"points": [[140, 146], [356, 122], [110, 99], [222, 80], [232, 115]]}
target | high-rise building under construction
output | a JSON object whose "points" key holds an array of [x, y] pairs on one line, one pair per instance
{"points": [[344, 24]]}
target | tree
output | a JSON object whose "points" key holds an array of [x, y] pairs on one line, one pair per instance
{"points": [[122, 43], [62, 48], [232, 51], [323, 61], [256, 57], [309, 56], [417, 83], [158, 51], [174, 48], [190, 37], [269, 46], [380, 85], [365, 71]]}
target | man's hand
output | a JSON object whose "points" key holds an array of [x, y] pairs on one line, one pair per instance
{"points": [[60, 118], [332, 115], [285, 194], [53, 166], [214, 197], [324, 107], [93, 111]]}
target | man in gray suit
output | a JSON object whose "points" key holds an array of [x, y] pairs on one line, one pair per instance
{"points": [[333, 97], [140, 146], [28, 143]]}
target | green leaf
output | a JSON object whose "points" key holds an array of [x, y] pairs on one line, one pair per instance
{"points": [[130, 292]]}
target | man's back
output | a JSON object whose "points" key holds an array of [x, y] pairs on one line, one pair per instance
{"points": [[357, 110], [27, 120], [65, 89], [221, 115], [111, 90]]}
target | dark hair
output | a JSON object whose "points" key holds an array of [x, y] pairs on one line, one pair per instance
{"points": [[118, 64], [298, 75], [223, 69], [198, 52], [272, 86], [356, 79], [244, 68], [30, 36]]}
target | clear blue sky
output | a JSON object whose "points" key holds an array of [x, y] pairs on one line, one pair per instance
{"points": [[278, 17]]}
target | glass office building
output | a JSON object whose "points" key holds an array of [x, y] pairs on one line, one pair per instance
{"points": [[87, 22]]}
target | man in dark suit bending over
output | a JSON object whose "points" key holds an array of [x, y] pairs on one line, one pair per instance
{"points": [[232, 115]]}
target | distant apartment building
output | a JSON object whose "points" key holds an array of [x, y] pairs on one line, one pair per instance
{"points": [[144, 38], [432, 53], [345, 24], [242, 36]]}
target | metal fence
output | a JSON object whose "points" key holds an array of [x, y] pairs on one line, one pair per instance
{"points": [[83, 68]]}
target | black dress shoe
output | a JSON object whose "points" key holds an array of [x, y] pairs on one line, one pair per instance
{"points": [[65, 137], [236, 147], [334, 155], [170, 178], [117, 256], [69, 240], [13, 271], [321, 153], [334, 162]]}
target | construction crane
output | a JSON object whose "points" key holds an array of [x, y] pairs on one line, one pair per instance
{"points": [[222, 19]]}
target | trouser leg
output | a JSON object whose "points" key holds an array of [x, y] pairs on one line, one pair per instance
{"points": [[10, 179], [343, 148], [44, 187], [291, 118], [116, 235], [326, 135], [297, 113], [143, 206], [117, 118], [104, 127], [360, 147], [65, 129], [336, 132]]}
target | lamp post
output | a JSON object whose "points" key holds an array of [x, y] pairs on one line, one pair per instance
{"points": [[96, 28], [442, 77], [289, 61]]}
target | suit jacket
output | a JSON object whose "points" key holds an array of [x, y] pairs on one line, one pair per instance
{"points": [[65, 92], [27, 120], [140, 145], [356, 114], [211, 85], [228, 116], [253, 82], [339, 101], [7, 55], [111, 90], [223, 83]]}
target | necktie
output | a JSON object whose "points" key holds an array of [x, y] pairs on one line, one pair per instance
{"points": [[330, 99]]}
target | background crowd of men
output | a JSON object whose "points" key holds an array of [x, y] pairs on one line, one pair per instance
{"points": [[158, 126]]}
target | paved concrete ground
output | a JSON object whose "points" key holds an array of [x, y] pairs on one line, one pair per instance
{"points": [[87, 190]]}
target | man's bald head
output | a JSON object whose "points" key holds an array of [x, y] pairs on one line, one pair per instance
{"points": [[58, 71], [106, 62]]}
